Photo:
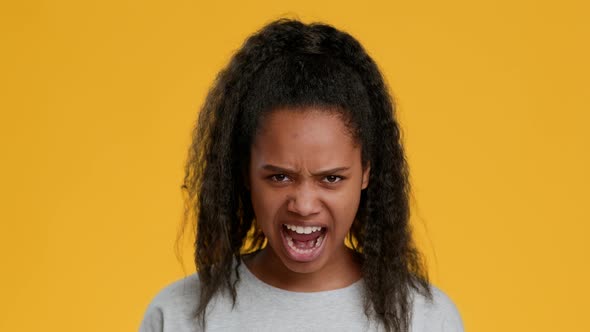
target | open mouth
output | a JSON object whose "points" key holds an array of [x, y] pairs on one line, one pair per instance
{"points": [[303, 243]]}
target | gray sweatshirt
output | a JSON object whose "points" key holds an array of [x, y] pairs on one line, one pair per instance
{"points": [[261, 307]]}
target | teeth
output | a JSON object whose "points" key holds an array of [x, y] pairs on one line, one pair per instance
{"points": [[303, 230], [318, 242]]}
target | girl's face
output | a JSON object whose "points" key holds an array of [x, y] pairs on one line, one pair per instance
{"points": [[306, 178]]}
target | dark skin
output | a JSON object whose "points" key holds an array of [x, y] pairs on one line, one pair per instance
{"points": [[306, 170]]}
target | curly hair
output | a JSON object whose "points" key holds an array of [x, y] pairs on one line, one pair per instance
{"points": [[291, 64]]}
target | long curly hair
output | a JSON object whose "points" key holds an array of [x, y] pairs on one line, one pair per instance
{"points": [[291, 64]]}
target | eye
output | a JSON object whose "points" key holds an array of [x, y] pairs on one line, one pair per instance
{"points": [[279, 178], [333, 178]]}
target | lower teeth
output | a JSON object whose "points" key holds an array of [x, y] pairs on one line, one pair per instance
{"points": [[317, 244]]}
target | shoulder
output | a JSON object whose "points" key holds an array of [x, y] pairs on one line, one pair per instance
{"points": [[174, 302], [181, 292], [437, 314]]}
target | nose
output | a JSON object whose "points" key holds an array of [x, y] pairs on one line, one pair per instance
{"points": [[303, 201]]}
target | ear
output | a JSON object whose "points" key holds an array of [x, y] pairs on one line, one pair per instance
{"points": [[366, 175]]}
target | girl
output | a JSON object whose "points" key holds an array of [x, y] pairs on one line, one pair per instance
{"points": [[299, 184]]}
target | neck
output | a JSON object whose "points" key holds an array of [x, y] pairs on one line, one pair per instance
{"points": [[340, 272]]}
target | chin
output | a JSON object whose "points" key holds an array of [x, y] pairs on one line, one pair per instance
{"points": [[302, 267]]}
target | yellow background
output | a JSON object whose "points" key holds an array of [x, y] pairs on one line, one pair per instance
{"points": [[98, 98]]}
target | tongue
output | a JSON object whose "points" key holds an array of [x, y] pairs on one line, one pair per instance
{"points": [[303, 237]]}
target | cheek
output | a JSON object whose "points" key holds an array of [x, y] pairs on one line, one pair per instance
{"points": [[343, 208], [266, 204]]}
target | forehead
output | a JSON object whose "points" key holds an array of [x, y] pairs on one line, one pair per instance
{"points": [[311, 135]]}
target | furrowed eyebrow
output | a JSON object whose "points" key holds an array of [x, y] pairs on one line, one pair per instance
{"points": [[331, 171], [278, 169]]}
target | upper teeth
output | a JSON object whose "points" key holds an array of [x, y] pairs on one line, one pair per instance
{"points": [[303, 230]]}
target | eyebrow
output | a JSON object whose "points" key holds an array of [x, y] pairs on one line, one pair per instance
{"points": [[278, 169]]}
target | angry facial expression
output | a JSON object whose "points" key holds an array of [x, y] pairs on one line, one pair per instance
{"points": [[306, 178]]}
